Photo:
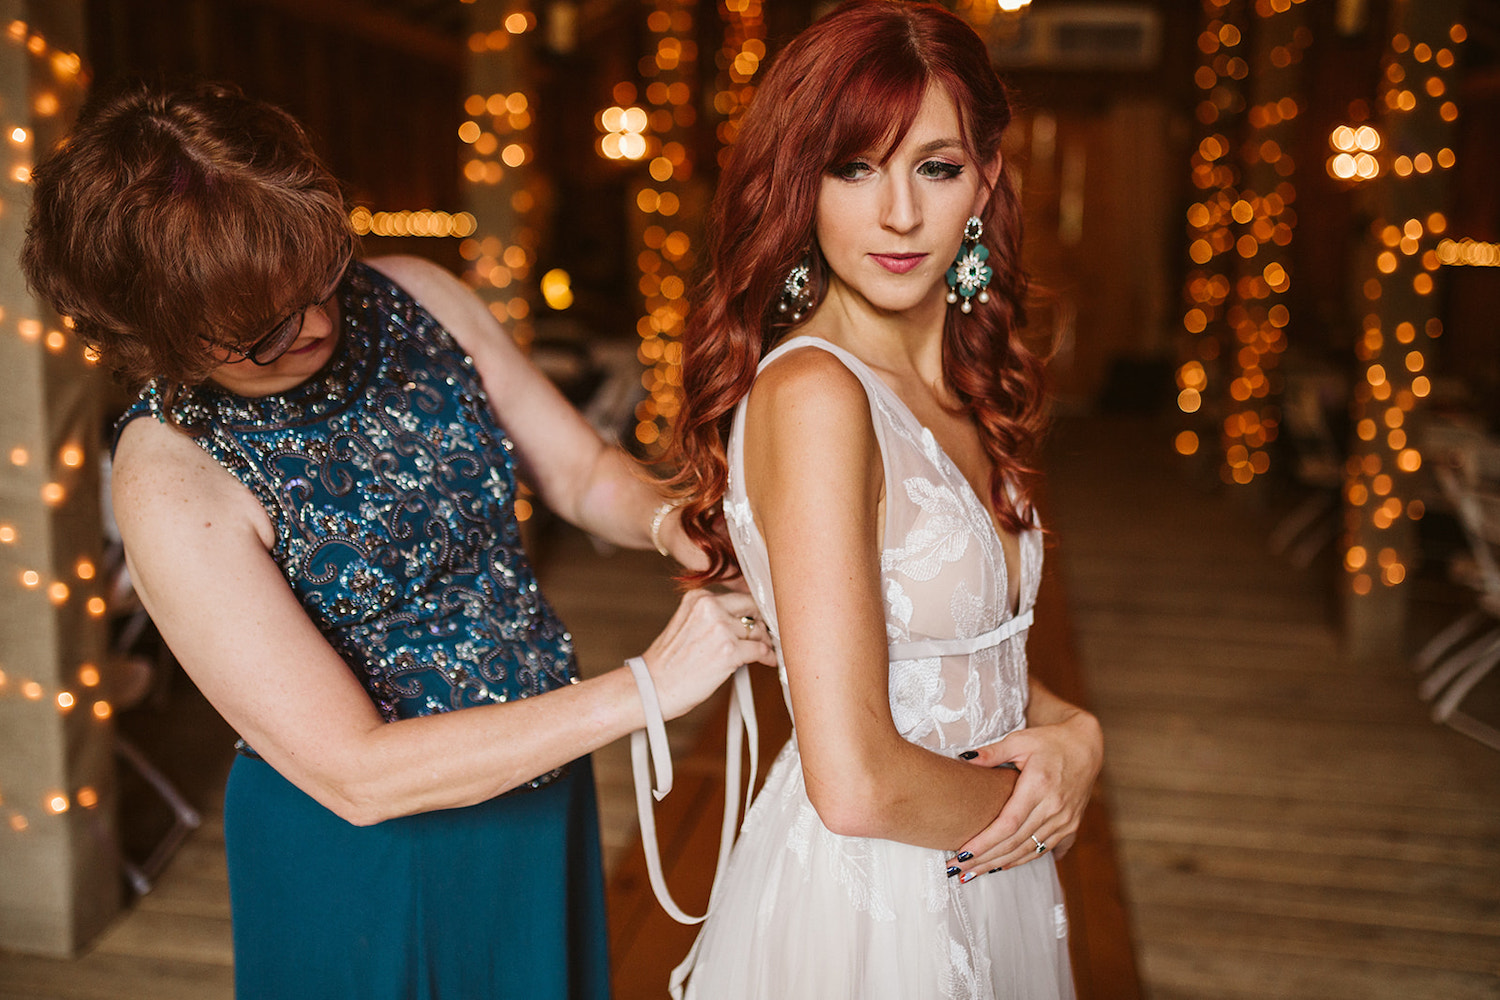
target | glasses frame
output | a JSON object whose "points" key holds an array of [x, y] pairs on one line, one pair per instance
{"points": [[268, 348]]}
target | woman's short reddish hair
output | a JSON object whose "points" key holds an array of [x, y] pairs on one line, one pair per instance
{"points": [[169, 222]]}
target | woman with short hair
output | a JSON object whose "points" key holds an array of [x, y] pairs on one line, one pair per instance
{"points": [[316, 488]]}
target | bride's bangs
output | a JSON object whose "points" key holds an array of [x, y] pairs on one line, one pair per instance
{"points": [[874, 111]]}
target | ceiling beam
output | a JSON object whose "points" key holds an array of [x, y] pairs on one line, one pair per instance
{"points": [[386, 30]]}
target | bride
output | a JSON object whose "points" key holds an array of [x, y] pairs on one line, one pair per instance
{"points": [[859, 399]]}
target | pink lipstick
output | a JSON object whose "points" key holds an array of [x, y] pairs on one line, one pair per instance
{"points": [[898, 263]]}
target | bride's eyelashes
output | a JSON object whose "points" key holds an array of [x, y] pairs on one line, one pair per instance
{"points": [[933, 170], [851, 171], [940, 170]]}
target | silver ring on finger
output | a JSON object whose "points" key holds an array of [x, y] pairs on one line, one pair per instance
{"points": [[1041, 848], [749, 624]]}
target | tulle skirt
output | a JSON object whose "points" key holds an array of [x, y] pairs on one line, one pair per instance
{"points": [[805, 914]]}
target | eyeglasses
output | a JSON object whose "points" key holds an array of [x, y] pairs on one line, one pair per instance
{"points": [[280, 338]]}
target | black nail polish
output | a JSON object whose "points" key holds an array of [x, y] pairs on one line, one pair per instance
{"points": [[969, 754], [994, 870], [964, 856], [953, 870]]}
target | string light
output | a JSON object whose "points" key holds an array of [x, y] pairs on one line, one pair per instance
{"points": [[499, 166], [665, 259], [557, 288], [56, 85], [1354, 149], [739, 61], [1406, 249], [1258, 313], [1209, 281], [1235, 309], [623, 133], [422, 222], [1468, 253], [982, 12]]}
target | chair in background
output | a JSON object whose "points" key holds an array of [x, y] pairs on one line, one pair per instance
{"points": [[1318, 463], [1458, 657]]}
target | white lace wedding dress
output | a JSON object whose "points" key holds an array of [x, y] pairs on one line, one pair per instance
{"points": [[805, 913]]}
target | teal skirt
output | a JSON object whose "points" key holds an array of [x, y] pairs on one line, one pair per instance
{"points": [[500, 900]]}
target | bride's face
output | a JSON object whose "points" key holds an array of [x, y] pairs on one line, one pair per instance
{"points": [[889, 231]]}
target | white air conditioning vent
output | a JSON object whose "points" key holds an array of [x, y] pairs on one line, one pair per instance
{"points": [[1079, 37]]}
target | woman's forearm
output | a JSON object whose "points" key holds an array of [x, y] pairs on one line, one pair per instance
{"points": [[461, 758], [904, 792]]}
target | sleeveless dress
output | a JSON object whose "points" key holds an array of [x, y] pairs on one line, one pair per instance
{"points": [[805, 914], [392, 490]]}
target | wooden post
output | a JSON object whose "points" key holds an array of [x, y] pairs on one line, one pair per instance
{"points": [[1400, 317], [500, 187], [1257, 313], [1208, 364], [59, 869]]}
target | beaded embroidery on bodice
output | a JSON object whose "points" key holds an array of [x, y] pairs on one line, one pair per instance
{"points": [[392, 489]]}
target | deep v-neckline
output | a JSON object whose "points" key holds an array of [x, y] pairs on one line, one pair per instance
{"points": [[1014, 607]]}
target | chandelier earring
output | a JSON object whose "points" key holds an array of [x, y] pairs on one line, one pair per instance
{"points": [[969, 277], [796, 291]]}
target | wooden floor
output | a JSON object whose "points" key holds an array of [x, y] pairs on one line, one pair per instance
{"points": [[1288, 824]]}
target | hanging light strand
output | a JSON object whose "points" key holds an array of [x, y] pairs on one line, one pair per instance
{"points": [[739, 62], [665, 260], [1406, 249], [1265, 221], [499, 166], [1220, 76]]}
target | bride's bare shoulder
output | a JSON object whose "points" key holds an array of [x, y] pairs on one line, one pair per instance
{"points": [[811, 386]]}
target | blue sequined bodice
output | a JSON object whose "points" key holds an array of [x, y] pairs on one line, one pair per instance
{"points": [[392, 491]]}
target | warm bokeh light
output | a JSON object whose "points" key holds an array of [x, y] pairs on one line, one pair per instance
{"points": [[1353, 158], [1468, 253], [623, 137], [422, 222], [557, 289]]}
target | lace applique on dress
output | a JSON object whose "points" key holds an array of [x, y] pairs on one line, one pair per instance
{"points": [[802, 913]]}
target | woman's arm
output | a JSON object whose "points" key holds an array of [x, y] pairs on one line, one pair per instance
{"points": [[814, 470], [1058, 754], [198, 545], [587, 482]]}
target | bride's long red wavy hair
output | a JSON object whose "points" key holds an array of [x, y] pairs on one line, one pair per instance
{"points": [[852, 82]]}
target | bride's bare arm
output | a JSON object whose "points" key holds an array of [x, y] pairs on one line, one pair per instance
{"points": [[815, 480], [1059, 754]]}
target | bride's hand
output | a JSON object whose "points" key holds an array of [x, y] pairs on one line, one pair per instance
{"points": [[706, 639], [1058, 764]]}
